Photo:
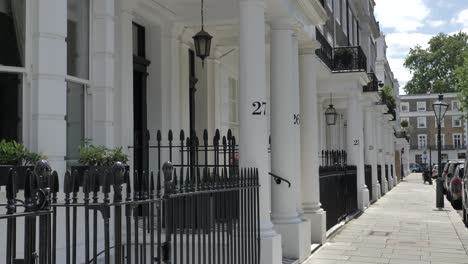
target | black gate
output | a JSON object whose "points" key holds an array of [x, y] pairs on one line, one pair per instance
{"points": [[387, 174], [192, 214], [338, 187], [368, 179]]}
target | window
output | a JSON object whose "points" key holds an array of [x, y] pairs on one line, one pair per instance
{"points": [[422, 141], [418, 158], [344, 18], [329, 4], [456, 121], [78, 42], [442, 140], [350, 25], [454, 105], [12, 71], [421, 122], [442, 122], [421, 106], [12, 25], [457, 140], [337, 8], [233, 102], [404, 107]]}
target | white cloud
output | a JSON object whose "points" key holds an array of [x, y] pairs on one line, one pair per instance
{"points": [[401, 15], [399, 44], [400, 72], [436, 23], [462, 18]]}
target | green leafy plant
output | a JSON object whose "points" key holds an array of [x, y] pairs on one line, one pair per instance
{"points": [[404, 124], [15, 154], [101, 156]]}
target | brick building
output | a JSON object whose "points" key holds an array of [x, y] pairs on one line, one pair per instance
{"points": [[417, 111]]}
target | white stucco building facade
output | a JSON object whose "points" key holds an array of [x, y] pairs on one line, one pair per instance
{"points": [[113, 72]]}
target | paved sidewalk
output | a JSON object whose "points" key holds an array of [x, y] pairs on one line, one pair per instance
{"points": [[402, 227]]}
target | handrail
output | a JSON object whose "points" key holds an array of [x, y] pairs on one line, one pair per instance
{"points": [[279, 179]]}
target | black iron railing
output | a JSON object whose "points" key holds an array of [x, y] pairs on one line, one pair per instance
{"points": [[373, 85], [434, 147], [333, 159], [204, 215], [338, 194], [325, 52], [379, 177], [349, 59], [368, 179]]}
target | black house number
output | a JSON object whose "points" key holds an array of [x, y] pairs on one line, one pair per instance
{"points": [[260, 108], [297, 119], [356, 142]]}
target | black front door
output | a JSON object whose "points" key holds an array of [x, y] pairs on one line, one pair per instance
{"points": [[140, 117]]}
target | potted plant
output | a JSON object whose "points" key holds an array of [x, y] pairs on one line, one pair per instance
{"points": [[343, 58], [14, 155], [98, 159]]}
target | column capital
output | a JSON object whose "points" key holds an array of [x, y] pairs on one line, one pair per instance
{"points": [[308, 47]]}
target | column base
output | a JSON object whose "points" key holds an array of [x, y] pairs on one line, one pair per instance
{"points": [[390, 183], [318, 226], [295, 239], [386, 189], [270, 249], [364, 199], [376, 192]]}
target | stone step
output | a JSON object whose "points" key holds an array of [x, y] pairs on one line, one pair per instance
{"points": [[290, 261]]}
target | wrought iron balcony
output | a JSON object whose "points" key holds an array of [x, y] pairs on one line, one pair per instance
{"points": [[349, 59], [434, 147], [340, 59], [373, 85], [325, 52]]}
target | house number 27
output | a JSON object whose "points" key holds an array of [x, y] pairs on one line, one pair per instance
{"points": [[259, 108]]}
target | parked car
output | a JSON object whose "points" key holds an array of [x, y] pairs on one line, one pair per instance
{"points": [[414, 167], [448, 172], [435, 171], [454, 193], [465, 195]]}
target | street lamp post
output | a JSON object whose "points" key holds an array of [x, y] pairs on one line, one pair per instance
{"points": [[440, 108]]}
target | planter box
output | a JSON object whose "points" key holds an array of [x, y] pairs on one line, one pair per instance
{"points": [[20, 172], [101, 170]]}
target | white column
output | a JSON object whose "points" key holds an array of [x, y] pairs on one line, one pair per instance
{"points": [[355, 142], [49, 90], [310, 144], [384, 153], [103, 72], [253, 144], [388, 132], [371, 151], [285, 132]]}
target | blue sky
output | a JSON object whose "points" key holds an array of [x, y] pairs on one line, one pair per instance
{"points": [[409, 22]]}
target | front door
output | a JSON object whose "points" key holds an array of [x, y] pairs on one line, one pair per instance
{"points": [[140, 117]]}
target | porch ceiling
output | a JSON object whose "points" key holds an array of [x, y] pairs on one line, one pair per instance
{"points": [[216, 12]]}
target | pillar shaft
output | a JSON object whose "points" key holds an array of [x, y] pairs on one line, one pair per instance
{"points": [[355, 143], [285, 129]]}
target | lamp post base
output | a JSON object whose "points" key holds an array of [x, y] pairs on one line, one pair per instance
{"points": [[440, 193]]}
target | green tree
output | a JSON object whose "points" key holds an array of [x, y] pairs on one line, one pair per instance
{"points": [[461, 74], [434, 68]]}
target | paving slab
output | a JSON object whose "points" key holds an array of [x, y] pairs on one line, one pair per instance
{"points": [[402, 227]]}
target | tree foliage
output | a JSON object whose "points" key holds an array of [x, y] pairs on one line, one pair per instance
{"points": [[434, 68], [461, 74]]}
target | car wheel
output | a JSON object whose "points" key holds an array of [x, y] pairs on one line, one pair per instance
{"points": [[457, 204]]}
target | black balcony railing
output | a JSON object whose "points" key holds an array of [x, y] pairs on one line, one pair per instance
{"points": [[434, 147], [325, 52], [373, 85], [186, 215], [349, 59]]}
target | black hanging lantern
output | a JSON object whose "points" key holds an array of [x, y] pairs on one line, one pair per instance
{"points": [[330, 114], [202, 41]]}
